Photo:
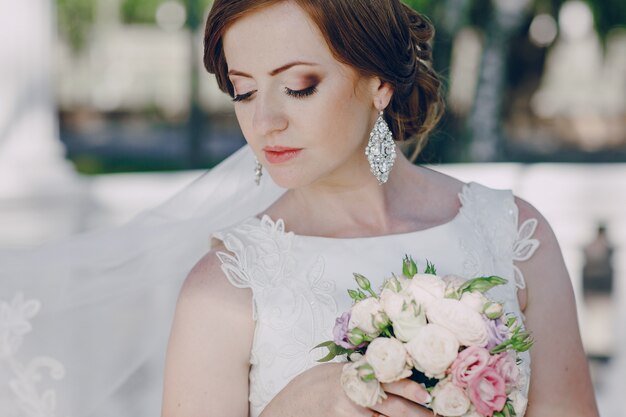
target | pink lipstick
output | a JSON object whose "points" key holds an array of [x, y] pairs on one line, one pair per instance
{"points": [[280, 154]]}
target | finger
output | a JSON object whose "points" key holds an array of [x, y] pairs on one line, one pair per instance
{"points": [[395, 406], [408, 389]]}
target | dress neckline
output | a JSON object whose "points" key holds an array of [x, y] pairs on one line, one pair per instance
{"points": [[280, 225]]}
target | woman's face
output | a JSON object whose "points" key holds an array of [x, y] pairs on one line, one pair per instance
{"points": [[305, 115]]}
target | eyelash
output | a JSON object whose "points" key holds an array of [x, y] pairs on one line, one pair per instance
{"points": [[293, 93]]}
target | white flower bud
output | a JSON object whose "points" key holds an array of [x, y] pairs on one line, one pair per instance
{"points": [[493, 310]]}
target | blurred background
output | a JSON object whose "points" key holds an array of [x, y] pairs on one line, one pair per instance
{"points": [[105, 110]]}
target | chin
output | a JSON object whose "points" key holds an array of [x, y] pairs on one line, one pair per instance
{"points": [[287, 182], [290, 180]]}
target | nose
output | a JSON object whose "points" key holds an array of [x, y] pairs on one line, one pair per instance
{"points": [[269, 117]]}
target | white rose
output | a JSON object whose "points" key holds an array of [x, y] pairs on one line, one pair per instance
{"points": [[393, 284], [392, 301], [449, 400], [474, 300], [431, 283], [465, 323], [389, 359], [453, 281], [425, 288], [368, 315], [472, 413], [405, 315], [433, 350], [363, 393]]}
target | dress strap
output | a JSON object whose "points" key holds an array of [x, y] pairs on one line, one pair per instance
{"points": [[496, 216], [256, 252]]}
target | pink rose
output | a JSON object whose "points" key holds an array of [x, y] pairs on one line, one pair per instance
{"points": [[504, 364], [468, 363], [487, 392]]}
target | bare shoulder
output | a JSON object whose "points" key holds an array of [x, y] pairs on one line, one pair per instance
{"points": [[548, 243], [206, 281], [211, 336], [559, 367]]}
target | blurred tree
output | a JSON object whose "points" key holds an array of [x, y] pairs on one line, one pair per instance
{"points": [[195, 126], [75, 18], [144, 11], [139, 11]]}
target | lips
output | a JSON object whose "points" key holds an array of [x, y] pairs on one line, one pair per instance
{"points": [[280, 154]]}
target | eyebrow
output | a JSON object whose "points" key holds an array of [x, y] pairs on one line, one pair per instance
{"points": [[275, 71]]}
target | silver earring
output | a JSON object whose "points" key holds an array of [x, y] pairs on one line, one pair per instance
{"points": [[258, 172], [381, 150]]}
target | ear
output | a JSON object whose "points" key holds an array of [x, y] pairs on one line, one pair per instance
{"points": [[382, 93]]}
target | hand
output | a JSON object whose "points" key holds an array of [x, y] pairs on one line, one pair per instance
{"points": [[318, 391]]}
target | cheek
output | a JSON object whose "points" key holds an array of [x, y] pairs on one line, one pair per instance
{"points": [[244, 118], [346, 118]]}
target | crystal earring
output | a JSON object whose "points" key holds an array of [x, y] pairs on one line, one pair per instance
{"points": [[381, 150], [258, 172]]}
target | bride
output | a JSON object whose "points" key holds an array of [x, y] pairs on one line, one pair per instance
{"points": [[317, 84], [310, 81]]}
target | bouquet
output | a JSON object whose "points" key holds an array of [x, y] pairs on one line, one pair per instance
{"points": [[442, 332]]}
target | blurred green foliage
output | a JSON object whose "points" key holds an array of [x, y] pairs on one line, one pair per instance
{"points": [[144, 11], [139, 11], [608, 14], [75, 18]]}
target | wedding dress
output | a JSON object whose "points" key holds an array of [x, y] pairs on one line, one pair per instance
{"points": [[84, 323], [299, 283]]}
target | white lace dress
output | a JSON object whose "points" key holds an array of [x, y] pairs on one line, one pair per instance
{"points": [[299, 283]]}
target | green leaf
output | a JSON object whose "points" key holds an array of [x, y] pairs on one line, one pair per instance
{"points": [[501, 347], [430, 268], [481, 284], [328, 357], [324, 344], [509, 407], [334, 350]]}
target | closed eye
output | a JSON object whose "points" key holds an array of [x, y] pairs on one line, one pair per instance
{"points": [[301, 93], [242, 97], [293, 93]]}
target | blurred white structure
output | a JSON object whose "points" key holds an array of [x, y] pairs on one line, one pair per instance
{"points": [[582, 83], [35, 180], [134, 67]]}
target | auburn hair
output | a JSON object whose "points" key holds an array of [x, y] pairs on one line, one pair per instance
{"points": [[383, 38]]}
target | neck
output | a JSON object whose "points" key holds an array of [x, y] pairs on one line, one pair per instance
{"points": [[354, 202]]}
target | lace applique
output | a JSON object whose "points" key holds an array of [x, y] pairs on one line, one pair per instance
{"points": [[524, 248], [293, 303], [484, 208], [14, 325]]}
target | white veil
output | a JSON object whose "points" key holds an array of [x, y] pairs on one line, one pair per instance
{"points": [[84, 323]]}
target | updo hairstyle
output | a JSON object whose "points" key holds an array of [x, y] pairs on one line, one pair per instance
{"points": [[383, 38]]}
